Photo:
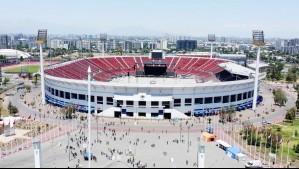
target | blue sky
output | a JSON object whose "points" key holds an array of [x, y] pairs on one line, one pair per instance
{"points": [[278, 18]]}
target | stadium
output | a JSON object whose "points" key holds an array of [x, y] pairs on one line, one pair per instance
{"points": [[151, 87]]}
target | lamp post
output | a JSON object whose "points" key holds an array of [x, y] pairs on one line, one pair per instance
{"points": [[42, 39], [89, 117], [211, 38], [68, 145], [198, 140], [188, 139], [37, 154], [181, 131], [97, 119], [258, 40]]}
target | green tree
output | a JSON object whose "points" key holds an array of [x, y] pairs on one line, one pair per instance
{"points": [[297, 149], [5, 82], [28, 88], [35, 82], [12, 109], [291, 114], [291, 77], [280, 97], [90, 55]]}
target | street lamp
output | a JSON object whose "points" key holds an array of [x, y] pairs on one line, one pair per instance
{"points": [[258, 40], [181, 131], [188, 139], [211, 38], [68, 145], [97, 119], [198, 140]]}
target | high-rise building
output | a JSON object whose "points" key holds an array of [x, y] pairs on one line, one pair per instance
{"points": [[137, 45], [186, 45], [153, 45], [127, 45], [164, 44], [3, 41], [111, 44], [288, 46]]}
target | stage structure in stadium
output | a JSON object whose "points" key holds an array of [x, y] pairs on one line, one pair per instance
{"points": [[258, 40], [151, 87]]}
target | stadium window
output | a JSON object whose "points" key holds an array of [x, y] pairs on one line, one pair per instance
{"points": [[109, 101], [61, 94], [82, 97], [155, 104], [225, 99], [142, 104], [100, 100], [67, 95], [217, 99], [188, 102], [92, 99], [74, 96], [239, 97], [53, 92], [249, 95], [233, 98], [166, 105], [209, 100], [199, 101], [244, 96], [177, 102], [119, 103], [130, 103], [56, 93], [252, 93]]}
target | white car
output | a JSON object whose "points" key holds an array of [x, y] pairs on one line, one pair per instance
{"points": [[254, 164]]}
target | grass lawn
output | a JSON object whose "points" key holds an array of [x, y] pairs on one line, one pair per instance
{"points": [[32, 69]]}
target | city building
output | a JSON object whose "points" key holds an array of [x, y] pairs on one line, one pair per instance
{"points": [[186, 45], [127, 45], [3, 41]]}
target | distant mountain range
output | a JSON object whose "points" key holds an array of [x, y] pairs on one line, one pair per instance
{"points": [[134, 31]]}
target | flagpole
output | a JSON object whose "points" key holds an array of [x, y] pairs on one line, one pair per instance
{"points": [[288, 152], [247, 138], [281, 154], [266, 146], [270, 148], [260, 145], [251, 140], [276, 151]]}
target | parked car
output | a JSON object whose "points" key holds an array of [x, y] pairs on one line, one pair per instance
{"points": [[254, 164]]}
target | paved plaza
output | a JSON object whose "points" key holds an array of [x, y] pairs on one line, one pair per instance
{"points": [[152, 143], [150, 149]]}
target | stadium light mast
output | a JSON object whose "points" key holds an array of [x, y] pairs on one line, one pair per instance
{"points": [[258, 40], [103, 39], [89, 117], [42, 39], [211, 38]]}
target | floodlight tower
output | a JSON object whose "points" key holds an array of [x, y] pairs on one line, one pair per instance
{"points": [[42, 39], [211, 38], [258, 40], [103, 39]]}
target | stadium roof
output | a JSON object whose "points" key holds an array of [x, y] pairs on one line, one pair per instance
{"points": [[253, 65], [12, 53], [236, 69]]}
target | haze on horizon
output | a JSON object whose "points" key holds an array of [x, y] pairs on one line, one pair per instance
{"points": [[278, 18]]}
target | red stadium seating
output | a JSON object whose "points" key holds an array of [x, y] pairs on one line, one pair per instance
{"points": [[204, 69]]}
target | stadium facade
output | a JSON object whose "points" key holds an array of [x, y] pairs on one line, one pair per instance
{"points": [[143, 87]]}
